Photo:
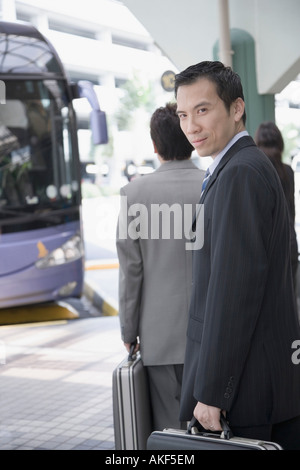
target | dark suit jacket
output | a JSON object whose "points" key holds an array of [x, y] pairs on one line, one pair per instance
{"points": [[288, 185], [243, 317]]}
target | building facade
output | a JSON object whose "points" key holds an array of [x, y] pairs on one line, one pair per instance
{"points": [[101, 41]]}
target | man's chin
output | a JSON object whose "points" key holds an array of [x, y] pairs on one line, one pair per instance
{"points": [[202, 154]]}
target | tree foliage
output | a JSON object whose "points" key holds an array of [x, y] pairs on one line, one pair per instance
{"points": [[135, 95]]}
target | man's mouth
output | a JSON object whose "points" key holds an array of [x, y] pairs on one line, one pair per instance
{"points": [[197, 142]]}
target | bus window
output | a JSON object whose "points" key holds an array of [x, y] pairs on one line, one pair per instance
{"points": [[36, 169]]}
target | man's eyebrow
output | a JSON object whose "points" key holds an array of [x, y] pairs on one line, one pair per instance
{"points": [[199, 105]]}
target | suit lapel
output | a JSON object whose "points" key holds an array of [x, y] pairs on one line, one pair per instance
{"points": [[243, 142], [240, 144]]}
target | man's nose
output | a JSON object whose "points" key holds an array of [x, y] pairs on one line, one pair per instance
{"points": [[192, 125]]}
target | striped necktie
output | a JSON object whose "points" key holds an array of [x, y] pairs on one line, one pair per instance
{"points": [[205, 181]]}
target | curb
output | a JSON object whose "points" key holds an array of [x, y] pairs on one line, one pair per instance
{"points": [[107, 305], [101, 264]]}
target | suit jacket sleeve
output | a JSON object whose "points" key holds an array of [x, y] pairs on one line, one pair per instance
{"points": [[240, 230], [130, 274]]}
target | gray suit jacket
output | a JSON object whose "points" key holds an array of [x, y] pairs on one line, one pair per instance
{"points": [[155, 269]]}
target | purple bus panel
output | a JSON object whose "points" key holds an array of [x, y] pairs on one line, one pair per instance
{"points": [[41, 265]]}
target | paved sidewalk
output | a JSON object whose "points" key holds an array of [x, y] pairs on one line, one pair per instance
{"points": [[55, 385], [56, 377]]}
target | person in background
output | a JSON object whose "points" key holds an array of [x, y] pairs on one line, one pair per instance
{"points": [[155, 268], [269, 139], [243, 324]]}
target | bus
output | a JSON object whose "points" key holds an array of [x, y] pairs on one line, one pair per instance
{"points": [[41, 236]]}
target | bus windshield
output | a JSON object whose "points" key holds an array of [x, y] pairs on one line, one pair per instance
{"points": [[38, 171]]}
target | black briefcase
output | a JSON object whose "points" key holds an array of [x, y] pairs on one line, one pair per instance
{"points": [[193, 439]]}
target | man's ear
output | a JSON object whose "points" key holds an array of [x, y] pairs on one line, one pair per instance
{"points": [[239, 108]]}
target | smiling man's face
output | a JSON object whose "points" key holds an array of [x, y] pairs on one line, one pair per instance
{"points": [[205, 120]]}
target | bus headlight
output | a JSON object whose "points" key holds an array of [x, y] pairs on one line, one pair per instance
{"points": [[71, 250]]}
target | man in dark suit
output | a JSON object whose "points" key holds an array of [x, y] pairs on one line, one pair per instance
{"points": [[243, 322]]}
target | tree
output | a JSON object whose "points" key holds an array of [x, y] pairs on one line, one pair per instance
{"points": [[135, 95]]}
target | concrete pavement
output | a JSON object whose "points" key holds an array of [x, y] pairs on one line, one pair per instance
{"points": [[56, 376], [56, 384]]}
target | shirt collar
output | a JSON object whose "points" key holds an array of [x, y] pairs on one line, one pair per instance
{"points": [[219, 157]]}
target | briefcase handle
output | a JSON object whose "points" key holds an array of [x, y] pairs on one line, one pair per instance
{"points": [[131, 355], [226, 431]]}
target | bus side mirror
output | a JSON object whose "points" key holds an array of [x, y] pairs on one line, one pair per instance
{"points": [[97, 117], [99, 127]]}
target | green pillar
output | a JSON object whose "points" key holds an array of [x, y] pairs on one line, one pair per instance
{"points": [[259, 108]]}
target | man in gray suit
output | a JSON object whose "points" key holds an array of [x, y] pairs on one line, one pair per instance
{"points": [[243, 328], [153, 245]]}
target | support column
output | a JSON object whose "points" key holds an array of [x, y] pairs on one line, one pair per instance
{"points": [[225, 44]]}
